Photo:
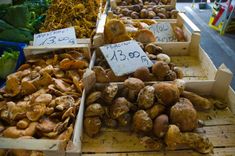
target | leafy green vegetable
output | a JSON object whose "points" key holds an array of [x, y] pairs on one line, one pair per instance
{"points": [[8, 62]]}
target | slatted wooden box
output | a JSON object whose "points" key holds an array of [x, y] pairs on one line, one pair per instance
{"points": [[114, 4], [54, 147], [219, 125]]}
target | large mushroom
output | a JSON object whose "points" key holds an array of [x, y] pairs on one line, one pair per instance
{"points": [[134, 86]]}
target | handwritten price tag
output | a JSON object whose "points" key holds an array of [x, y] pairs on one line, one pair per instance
{"points": [[58, 37], [163, 32], [125, 57]]}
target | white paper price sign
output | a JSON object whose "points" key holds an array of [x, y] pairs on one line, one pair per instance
{"points": [[125, 57], [163, 32], [58, 37]]}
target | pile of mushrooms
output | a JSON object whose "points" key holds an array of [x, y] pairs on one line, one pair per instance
{"points": [[42, 98], [162, 69], [162, 113]]}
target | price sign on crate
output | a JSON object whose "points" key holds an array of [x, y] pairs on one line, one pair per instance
{"points": [[58, 37], [163, 32], [125, 57]]}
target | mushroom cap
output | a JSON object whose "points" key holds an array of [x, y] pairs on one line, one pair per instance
{"points": [[167, 94], [134, 84], [142, 73]]}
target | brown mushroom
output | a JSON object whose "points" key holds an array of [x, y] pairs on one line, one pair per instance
{"points": [[23, 124], [142, 122], [109, 93], [144, 36], [92, 126], [46, 125], [134, 85], [36, 112], [94, 110], [200, 103], [152, 48], [160, 125], [100, 74], [160, 70], [174, 138], [64, 102], [167, 94], [93, 97], [142, 73], [43, 99], [13, 132], [184, 115], [155, 111], [119, 107], [146, 97]]}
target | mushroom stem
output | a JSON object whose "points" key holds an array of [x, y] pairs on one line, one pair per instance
{"points": [[174, 138]]}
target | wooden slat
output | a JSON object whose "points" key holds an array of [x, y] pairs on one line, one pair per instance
{"points": [[117, 141], [190, 65], [32, 144], [217, 152]]}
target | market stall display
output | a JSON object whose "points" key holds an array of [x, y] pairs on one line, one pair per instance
{"points": [[122, 118], [82, 15], [41, 100], [160, 3], [20, 21]]}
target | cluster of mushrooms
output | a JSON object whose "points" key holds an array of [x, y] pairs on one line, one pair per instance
{"points": [[117, 30], [162, 113], [42, 98], [145, 12], [142, 2]]}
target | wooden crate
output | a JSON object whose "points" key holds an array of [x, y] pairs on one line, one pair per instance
{"points": [[219, 126], [191, 32], [113, 4], [47, 146]]}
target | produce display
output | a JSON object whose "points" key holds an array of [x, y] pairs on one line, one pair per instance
{"points": [[145, 12], [162, 70], [162, 114], [79, 14], [142, 2], [117, 30], [18, 22], [8, 62], [42, 98]]}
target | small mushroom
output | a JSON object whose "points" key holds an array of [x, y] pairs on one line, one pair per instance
{"points": [[152, 48], [146, 97], [36, 112], [184, 115], [92, 126], [142, 122], [23, 124], [109, 93], [94, 110], [134, 85], [14, 132], [160, 125], [124, 119], [43, 99], [155, 111], [100, 74], [142, 73], [160, 70], [179, 72], [174, 138], [93, 97], [164, 58], [64, 102], [167, 94], [119, 107], [46, 125]]}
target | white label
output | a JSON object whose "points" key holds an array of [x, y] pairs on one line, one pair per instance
{"points": [[58, 37], [125, 57], [163, 32]]}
